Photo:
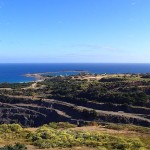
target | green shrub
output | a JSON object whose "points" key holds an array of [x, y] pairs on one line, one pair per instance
{"points": [[12, 131], [60, 125], [50, 138], [10, 128], [55, 135], [17, 146]]}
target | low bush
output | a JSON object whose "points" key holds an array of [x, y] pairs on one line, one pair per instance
{"points": [[60, 125], [49, 138], [12, 132], [56, 135], [17, 146]]}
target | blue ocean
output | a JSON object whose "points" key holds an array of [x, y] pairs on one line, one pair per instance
{"points": [[13, 73]]}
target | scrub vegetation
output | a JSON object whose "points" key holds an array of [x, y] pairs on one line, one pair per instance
{"points": [[65, 135]]}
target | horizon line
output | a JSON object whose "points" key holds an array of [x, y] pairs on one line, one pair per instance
{"points": [[74, 62]]}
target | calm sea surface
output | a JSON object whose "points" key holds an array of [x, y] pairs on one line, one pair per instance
{"points": [[15, 72]]}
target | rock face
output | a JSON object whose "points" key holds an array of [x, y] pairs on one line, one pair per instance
{"points": [[28, 112]]}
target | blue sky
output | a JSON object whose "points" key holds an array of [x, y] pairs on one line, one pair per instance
{"points": [[75, 31]]}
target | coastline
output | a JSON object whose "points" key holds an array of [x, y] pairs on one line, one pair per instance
{"points": [[41, 77], [16, 73]]}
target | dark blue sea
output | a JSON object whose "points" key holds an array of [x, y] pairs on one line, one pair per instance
{"points": [[13, 73]]}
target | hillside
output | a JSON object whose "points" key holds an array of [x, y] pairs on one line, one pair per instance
{"points": [[104, 111], [78, 100]]}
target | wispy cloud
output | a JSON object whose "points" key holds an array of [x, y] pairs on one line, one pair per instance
{"points": [[110, 48], [95, 47], [133, 2]]}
